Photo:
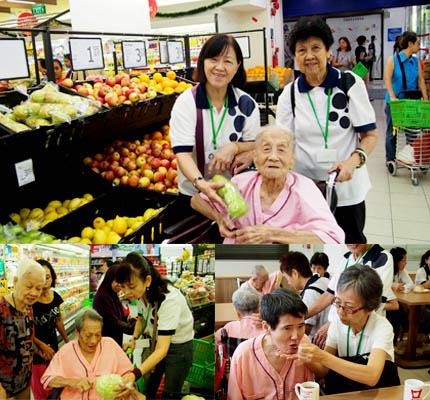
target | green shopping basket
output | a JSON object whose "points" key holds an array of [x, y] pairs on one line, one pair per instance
{"points": [[89, 301], [410, 113], [360, 70], [202, 372]]}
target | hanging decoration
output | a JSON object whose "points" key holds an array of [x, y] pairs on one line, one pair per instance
{"points": [[153, 8], [193, 11], [275, 7]]}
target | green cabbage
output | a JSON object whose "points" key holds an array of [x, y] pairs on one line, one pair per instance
{"points": [[105, 385]]}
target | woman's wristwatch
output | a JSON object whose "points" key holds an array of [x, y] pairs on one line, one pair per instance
{"points": [[362, 154], [196, 180]]}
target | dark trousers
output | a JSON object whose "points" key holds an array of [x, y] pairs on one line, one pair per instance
{"points": [[390, 139], [175, 366], [351, 219], [398, 318], [370, 70]]}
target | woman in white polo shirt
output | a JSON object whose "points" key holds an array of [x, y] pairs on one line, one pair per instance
{"points": [[160, 304], [359, 351], [332, 121], [213, 126]]}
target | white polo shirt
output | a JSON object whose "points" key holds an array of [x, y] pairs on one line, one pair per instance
{"points": [[403, 277], [378, 334], [174, 316], [241, 124], [377, 258], [315, 286], [421, 276], [349, 115]]}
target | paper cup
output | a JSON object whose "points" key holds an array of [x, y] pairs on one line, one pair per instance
{"points": [[308, 391], [414, 390]]}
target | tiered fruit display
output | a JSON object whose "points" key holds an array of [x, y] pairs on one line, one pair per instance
{"points": [[147, 164], [17, 234], [257, 72], [122, 89], [285, 75], [198, 290], [113, 230], [48, 106], [38, 218]]}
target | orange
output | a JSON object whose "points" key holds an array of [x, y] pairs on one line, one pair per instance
{"points": [[174, 84], [157, 77], [168, 90], [171, 75], [165, 128], [166, 84], [152, 83], [159, 87], [157, 135], [144, 78], [179, 89]]}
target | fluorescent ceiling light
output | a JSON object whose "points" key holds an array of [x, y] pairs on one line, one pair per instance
{"points": [[22, 1], [162, 3], [178, 30]]}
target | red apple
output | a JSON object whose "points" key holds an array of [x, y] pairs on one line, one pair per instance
{"points": [[104, 165], [165, 163], [84, 91], [116, 156], [134, 97], [120, 172], [100, 99], [87, 161], [132, 146], [133, 181], [125, 81], [125, 89], [95, 164], [118, 78], [67, 83], [173, 164], [134, 172], [124, 180], [109, 175], [149, 159], [151, 186], [124, 151], [113, 165], [137, 142], [144, 182], [175, 181], [166, 153], [140, 149], [129, 92], [110, 81], [109, 149], [124, 161], [167, 146], [104, 90], [142, 88], [159, 176], [140, 161], [131, 165], [118, 91], [163, 170], [111, 99], [148, 173], [117, 143], [160, 186], [96, 170], [122, 99], [77, 87], [132, 156], [155, 163], [171, 174], [99, 157], [146, 166]]}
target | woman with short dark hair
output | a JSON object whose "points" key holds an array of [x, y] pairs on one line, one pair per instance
{"points": [[332, 121], [214, 125]]}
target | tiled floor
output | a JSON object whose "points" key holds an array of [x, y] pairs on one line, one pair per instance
{"points": [[397, 211]]}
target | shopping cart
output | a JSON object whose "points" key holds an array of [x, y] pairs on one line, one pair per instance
{"points": [[411, 122]]}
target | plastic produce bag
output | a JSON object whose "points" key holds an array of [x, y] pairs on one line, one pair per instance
{"points": [[12, 125], [236, 205], [106, 384]]}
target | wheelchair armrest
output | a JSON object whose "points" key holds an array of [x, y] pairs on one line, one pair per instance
{"points": [[184, 225]]}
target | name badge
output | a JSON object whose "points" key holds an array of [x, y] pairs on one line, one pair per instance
{"points": [[327, 155]]}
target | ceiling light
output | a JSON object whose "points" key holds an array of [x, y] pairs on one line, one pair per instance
{"points": [[22, 1]]}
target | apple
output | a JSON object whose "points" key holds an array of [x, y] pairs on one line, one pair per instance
{"points": [[120, 172], [100, 99], [140, 161], [124, 151], [156, 149], [98, 85], [96, 170], [125, 81], [99, 157], [109, 175], [140, 149], [98, 79], [132, 155], [142, 88], [160, 186], [104, 90], [109, 149], [149, 174], [118, 78], [151, 186], [118, 91], [131, 165], [124, 180], [134, 97], [146, 166], [166, 153], [163, 170], [159, 176], [87, 161], [125, 89], [135, 172], [168, 183], [116, 181], [113, 165], [144, 182], [155, 163], [132, 146], [95, 164], [77, 87], [116, 156], [171, 174], [149, 158], [104, 165], [175, 181], [129, 92], [122, 99], [173, 164], [137, 142], [67, 83], [111, 99], [124, 161], [110, 81], [165, 163], [117, 143], [133, 181], [83, 91]]}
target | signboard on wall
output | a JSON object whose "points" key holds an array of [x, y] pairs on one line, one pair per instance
{"points": [[393, 33]]}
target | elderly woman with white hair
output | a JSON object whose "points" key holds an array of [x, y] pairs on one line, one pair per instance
{"points": [[284, 206], [17, 331]]}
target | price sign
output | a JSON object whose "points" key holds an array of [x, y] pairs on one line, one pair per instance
{"points": [[175, 52], [25, 172], [16, 66], [134, 54], [86, 53], [164, 57]]}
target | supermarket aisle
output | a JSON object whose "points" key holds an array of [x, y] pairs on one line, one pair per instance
{"points": [[397, 211]]}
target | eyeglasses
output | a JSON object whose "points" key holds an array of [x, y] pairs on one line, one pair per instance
{"points": [[346, 309]]}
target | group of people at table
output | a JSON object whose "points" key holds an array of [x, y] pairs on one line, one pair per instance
{"points": [[30, 357], [300, 324]]}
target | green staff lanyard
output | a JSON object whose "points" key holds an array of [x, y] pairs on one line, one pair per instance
{"points": [[359, 342], [215, 133], [359, 258], [325, 135], [146, 321]]}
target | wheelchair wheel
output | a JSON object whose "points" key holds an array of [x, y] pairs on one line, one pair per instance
{"points": [[392, 168]]}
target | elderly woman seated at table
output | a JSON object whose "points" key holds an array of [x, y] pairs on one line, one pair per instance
{"points": [[78, 363], [262, 282], [284, 206], [246, 302], [359, 352]]}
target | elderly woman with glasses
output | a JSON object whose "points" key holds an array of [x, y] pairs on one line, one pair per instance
{"points": [[359, 351]]}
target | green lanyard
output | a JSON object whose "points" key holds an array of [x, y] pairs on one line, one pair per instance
{"points": [[359, 258], [146, 321], [359, 342], [215, 134], [325, 135]]}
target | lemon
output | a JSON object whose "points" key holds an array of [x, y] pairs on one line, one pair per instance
{"points": [[62, 211], [66, 203], [113, 238], [86, 241], [130, 222], [99, 223], [106, 229], [24, 213], [109, 223], [99, 236], [54, 203], [36, 213], [136, 225], [51, 216], [75, 239], [88, 196], [75, 203], [119, 225], [83, 201], [87, 233], [139, 218], [147, 214], [15, 218], [129, 230], [48, 209]]}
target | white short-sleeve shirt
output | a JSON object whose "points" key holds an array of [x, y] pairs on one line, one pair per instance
{"points": [[174, 316], [378, 334], [377, 258], [315, 286], [350, 114], [421, 276], [403, 277], [241, 123]]}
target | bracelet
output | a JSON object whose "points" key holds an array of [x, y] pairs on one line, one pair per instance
{"points": [[137, 374], [196, 180], [362, 154]]}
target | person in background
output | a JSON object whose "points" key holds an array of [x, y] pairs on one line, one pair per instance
{"points": [[410, 45], [344, 59], [93, 280], [77, 364], [401, 281], [107, 304], [319, 264], [374, 256], [47, 317], [68, 64], [359, 353], [17, 346], [230, 121], [296, 269], [246, 302], [340, 142], [257, 371], [422, 276], [372, 54], [362, 56], [261, 281], [41, 65], [105, 267], [58, 71]]}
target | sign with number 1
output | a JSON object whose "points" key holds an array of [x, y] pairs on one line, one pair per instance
{"points": [[86, 53], [134, 54]]}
